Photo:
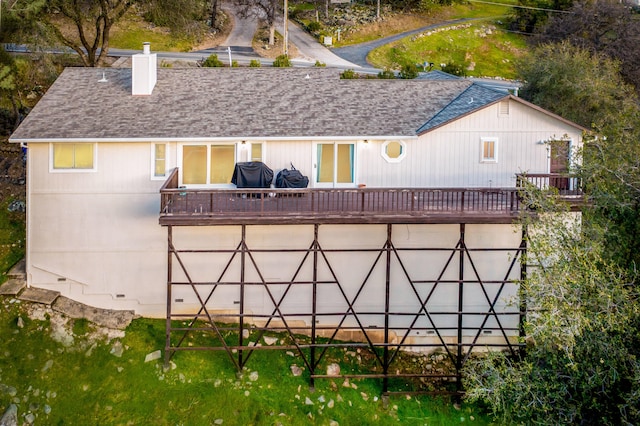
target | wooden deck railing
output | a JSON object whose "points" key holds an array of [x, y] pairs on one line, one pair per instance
{"points": [[361, 205], [565, 184]]}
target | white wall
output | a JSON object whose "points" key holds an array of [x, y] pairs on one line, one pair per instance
{"points": [[450, 156]]}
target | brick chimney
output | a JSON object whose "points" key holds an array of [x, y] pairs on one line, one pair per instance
{"points": [[143, 71]]}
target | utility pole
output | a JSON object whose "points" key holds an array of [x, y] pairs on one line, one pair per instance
{"points": [[285, 48]]}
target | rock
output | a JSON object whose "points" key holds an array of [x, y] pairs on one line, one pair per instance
{"points": [[346, 383], [295, 370], [47, 409], [331, 403], [30, 418], [153, 356], [290, 353], [253, 376], [90, 351], [334, 423], [47, 365], [364, 396], [117, 349], [321, 398], [9, 390], [10, 417], [307, 401], [20, 322], [333, 369], [270, 340], [218, 421], [245, 333]]}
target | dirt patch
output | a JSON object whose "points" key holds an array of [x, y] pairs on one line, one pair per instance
{"points": [[262, 48], [215, 37]]}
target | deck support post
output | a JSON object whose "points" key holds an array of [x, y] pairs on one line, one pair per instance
{"points": [[387, 294], [314, 303], [523, 276], [243, 251], [460, 351], [167, 345]]}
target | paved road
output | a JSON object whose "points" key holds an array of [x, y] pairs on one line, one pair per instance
{"points": [[357, 53]]}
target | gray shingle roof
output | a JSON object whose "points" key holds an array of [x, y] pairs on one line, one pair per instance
{"points": [[242, 103], [474, 97]]}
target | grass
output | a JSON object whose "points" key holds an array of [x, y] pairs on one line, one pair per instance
{"points": [[66, 372], [12, 237], [483, 49], [131, 32], [396, 23]]}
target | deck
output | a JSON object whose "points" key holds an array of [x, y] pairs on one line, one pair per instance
{"points": [[202, 207]]}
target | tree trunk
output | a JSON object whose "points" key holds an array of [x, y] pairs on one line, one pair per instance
{"points": [[214, 13], [272, 34]]}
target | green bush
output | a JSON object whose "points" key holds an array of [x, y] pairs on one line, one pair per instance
{"points": [[455, 69], [314, 26], [408, 71], [234, 64], [387, 74], [348, 74], [255, 63], [212, 62], [319, 64], [282, 61]]}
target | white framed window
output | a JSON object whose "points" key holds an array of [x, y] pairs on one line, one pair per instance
{"points": [[72, 157], [394, 151], [334, 164], [256, 152], [489, 150], [211, 164], [159, 160]]}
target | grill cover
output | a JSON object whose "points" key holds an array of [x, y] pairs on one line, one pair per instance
{"points": [[291, 179], [254, 174]]}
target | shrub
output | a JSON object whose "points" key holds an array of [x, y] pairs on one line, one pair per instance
{"points": [[255, 63], [234, 64], [319, 64], [212, 62], [387, 74], [409, 71], [314, 26], [348, 74], [282, 61], [455, 69]]}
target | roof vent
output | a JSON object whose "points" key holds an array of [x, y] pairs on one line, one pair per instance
{"points": [[143, 71]]}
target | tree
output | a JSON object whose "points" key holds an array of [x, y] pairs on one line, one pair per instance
{"points": [[91, 22], [604, 27], [582, 362], [530, 15], [578, 85], [260, 9]]}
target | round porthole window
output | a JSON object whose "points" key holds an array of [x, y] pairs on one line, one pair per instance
{"points": [[394, 151]]}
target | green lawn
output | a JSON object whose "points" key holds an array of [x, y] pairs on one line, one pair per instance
{"points": [[61, 375], [483, 49]]}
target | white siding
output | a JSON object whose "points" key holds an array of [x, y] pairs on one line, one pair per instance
{"points": [[450, 156]]}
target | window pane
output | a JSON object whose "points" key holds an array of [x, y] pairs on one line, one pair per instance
{"points": [[223, 159], [256, 152], [62, 156], [394, 149], [83, 155], [194, 164], [345, 163], [325, 162], [160, 159], [488, 150]]}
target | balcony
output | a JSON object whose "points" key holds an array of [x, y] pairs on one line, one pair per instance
{"points": [[202, 207]]}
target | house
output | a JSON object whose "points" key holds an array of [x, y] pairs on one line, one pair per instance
{"points": [[407, 237]]}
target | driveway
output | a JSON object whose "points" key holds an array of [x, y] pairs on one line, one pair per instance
{"points": [[357, 53]]}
